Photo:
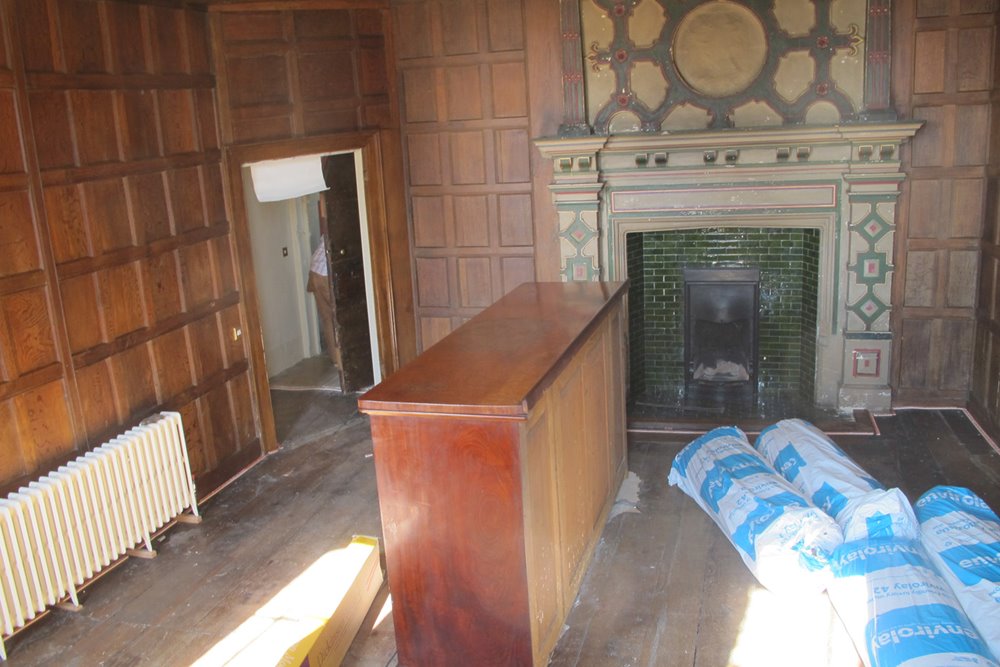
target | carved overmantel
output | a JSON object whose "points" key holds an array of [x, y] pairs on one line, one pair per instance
{"points": [[843, 180]]}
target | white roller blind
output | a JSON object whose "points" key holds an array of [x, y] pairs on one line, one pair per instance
{"points": [[274, 180]]}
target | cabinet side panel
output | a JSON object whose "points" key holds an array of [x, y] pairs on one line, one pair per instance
{"points": [[450, 497], [541, 523], [616, 361]]}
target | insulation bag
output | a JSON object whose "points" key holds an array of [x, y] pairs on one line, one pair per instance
{"points": [[962, 535], [825, 474], [784, 540], [898, 610], [878, 514], [810, 460]]}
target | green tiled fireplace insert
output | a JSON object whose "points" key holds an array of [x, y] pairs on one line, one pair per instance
{"points": [[788, 259]]}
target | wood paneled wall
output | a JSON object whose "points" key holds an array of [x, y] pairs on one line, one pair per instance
{"points": [[293, 81], [944, 56], [465, 122], [117, 279], [985, 399], [303, 73]]}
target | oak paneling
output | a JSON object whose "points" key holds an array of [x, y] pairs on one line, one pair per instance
{"points": [[515, 220], [428, 222], [300, 73], [424, 159], [67, 225], [178, 119], [140, 135], [463, 77], [54, 146], [943, 65], [468, 158], [17, 234], [95, 129], [462, 87], [150, 216], [432, 282], [108, 263], [985, 394], [420, 94], [930, 61], [44, 421], [29, 329], [127, 37], [82, 42], [472, 221], [516, 270], [107, 215], [163, 282], [11, 151], [413, 19], [81, 306], [12, 464], [475, 282]]}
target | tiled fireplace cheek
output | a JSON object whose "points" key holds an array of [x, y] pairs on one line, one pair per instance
{"points": [[842, 181]]}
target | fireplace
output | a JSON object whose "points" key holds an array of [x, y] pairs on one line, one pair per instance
{"points": [[787, 261], [836, 184], [721, 315]]}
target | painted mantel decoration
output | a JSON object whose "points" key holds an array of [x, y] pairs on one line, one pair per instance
{"points": [[716, 113]]}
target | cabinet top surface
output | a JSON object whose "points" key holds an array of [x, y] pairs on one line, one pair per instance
{"points": [[492, 364]]}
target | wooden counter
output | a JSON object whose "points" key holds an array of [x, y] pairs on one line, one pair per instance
{"points": [[498, 453]]}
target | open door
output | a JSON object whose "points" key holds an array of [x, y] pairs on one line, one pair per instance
{"points": [[345, 253]]}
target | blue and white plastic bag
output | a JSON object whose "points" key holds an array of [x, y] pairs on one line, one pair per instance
{"points": [[962, 535], [899, 611], [825, 474], [810, 460], [782, 538]]}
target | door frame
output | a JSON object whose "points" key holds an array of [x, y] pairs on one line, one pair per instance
{"points": [[392, 290]]}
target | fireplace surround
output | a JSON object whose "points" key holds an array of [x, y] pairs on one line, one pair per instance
{"points": [[842, 181]]}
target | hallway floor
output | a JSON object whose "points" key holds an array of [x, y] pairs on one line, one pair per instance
{"points": [[665, 587]]}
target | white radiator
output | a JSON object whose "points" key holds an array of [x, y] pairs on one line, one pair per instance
{"points": [[61, 530]]}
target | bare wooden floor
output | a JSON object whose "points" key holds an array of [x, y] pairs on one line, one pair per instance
{"points": [[666, 588]]}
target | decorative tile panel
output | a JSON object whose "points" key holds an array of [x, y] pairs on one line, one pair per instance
{"points": [[727, 63]]}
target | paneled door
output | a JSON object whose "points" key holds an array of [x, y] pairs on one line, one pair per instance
{"points": [[347, 274]]}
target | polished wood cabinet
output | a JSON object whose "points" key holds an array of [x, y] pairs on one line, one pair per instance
{"points": [[498, 453]]}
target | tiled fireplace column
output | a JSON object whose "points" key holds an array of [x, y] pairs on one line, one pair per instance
{"points": [[842, 180]]}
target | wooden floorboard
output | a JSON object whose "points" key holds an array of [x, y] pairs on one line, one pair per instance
{"points": [[666, 588]]}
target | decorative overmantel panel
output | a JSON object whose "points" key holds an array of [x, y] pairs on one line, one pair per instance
{"points": [[843, 180]]}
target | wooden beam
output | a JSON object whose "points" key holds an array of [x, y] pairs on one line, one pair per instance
{"points": [[275, 6]]}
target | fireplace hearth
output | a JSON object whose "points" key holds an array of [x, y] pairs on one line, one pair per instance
{"points": [[721, 333]]}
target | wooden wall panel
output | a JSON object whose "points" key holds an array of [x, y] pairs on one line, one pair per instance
{"points": [[115, 250], [37, 424], [301, 73], [944, 56], [985, 390], [464, 96]]}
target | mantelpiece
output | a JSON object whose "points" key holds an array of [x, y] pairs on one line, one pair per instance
{"points": [[843, 180]]}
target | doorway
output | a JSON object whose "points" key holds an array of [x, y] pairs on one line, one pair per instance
{"points": [[379, 177], [313, 279]]}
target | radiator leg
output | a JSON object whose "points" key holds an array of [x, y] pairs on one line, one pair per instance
{"points": [[189, 518], [69, 606]]}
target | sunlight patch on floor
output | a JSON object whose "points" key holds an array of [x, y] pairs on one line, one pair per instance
{"points": [[782, 631], [298, 610], [384, 613]]}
